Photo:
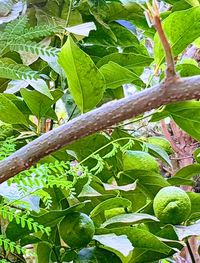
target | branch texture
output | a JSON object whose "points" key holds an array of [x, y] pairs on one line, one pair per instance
{"points": [[101, 118]]}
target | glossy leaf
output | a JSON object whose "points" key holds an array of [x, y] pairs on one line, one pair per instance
{"points": [[9, 113], [84, 79], [120, 245], [115, 75], [185, 31], [128, 219]]}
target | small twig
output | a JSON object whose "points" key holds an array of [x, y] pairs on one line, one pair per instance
{"points": [[154, 16]]}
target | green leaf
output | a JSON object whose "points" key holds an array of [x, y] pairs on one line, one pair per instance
{"points": [[9, 113], [187, 116], [115, 75], [39, 104], [120, 245], [185, 31], [183, 176], [129, 60], [44, 250], [139, 238], [128, 219], [109, 204], [96, 255], [84, 79], [188, 69], [159, 152]]}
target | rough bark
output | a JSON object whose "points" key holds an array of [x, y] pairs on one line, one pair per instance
{"points": [[99, 119]]}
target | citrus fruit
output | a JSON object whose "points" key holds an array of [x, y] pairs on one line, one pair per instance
{"points": [[161, 142], [138, 160], [172, 205], [76, 229]]}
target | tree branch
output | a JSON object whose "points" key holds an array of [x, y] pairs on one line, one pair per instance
{"points": [[97, 120]]}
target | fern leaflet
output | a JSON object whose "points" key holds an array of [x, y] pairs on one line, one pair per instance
{"points": [[10, 246], [16, 27], [10, 214], [34, 48], [11, 70]]}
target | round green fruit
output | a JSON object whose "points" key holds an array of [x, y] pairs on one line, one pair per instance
{"points": [[172, 205], [77, 229], [138, 160]]}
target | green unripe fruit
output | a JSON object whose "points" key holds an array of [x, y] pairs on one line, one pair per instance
{"points": [[172, 205], [138, 160], [77, 229]]}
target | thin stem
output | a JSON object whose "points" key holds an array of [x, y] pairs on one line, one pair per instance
{"points": [[190, 252], [156, 21], [72, 113], [106, 145]]}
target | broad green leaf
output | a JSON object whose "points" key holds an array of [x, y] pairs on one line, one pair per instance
{"points": [[41, 86], [84, 79], [128, 219], [39, 104], [51, 218], [139, 238], [159, 152], [44, 251], [120, 245], [188, 68], [111, 203], [187, 116], [129, 60], [9, 113], [115, 75], [184, 175], [185, 31], [96, 255]]}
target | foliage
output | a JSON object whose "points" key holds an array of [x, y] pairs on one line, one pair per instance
{"points": [[59, 59]]}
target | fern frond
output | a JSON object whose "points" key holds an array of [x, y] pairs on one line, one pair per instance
{"points": [[127, 146], [45, 197], [34, 48], [39, 32], [16, 27], [11, 70], [100, 164], [10, 246], [7, 147], [113, 152], [10, 214]]}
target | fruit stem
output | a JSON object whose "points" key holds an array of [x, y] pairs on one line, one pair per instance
{"points": [[190, 251]]}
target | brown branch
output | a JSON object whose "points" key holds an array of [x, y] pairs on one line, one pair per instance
{"points": [[97, 120]]}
